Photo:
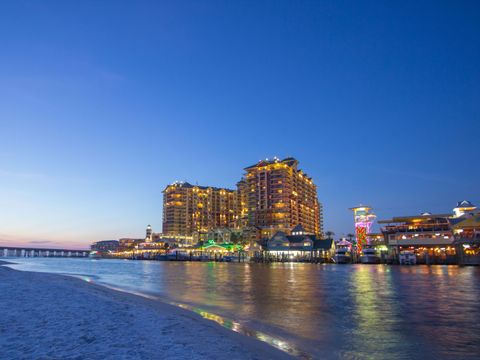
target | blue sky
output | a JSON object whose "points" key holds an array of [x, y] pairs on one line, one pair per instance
{"points": [[103, 103]]}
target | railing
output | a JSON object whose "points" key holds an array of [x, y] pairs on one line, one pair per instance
{"points": [[467, 236], [401, 229]]}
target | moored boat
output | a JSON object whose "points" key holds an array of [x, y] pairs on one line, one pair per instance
{"points": [[201, 257], [95, 255], [407, 258], [342, 256], [369, 256]]}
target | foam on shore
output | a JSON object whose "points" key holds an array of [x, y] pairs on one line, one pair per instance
{"points": [[55, 316]]}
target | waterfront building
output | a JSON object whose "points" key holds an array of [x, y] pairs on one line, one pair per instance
{"points": [[435, 238], [220, 247], [466, 222], [429, 236], [377, 241], [466, 230], [190, 210], [128, 243], [463, 208], [159, 245], [105, 246], [279, 196], [154, 237], [174, 240], [300, 245]]}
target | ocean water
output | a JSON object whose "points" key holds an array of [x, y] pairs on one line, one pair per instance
{"points": [[309, 310]]}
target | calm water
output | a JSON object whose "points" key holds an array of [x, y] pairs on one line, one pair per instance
{"points": [[327, 311]]}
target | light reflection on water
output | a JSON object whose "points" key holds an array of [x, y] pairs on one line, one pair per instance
{"points": [[227, 323], [329, 311]]}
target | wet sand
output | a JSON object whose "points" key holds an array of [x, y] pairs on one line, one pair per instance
{"points": [[53, 316]]}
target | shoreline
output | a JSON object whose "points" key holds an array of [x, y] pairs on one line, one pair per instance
{"points": [[58, 316]]}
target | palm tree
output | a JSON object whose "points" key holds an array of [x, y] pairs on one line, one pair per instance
{"points": [[329, 234]]}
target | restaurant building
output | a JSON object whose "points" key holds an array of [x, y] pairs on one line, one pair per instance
{"points": [[299, 246], [105, 246], [432, 238], [466, 231]]}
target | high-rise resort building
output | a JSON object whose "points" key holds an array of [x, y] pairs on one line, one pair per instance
{"points": [[280, 196], [190, 210], [242, 205], [273, 195]]}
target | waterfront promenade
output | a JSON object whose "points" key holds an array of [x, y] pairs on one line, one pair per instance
{"points": [[51, 316]]}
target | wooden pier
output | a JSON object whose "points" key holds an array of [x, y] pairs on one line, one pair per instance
{"points": [[7, 251]]}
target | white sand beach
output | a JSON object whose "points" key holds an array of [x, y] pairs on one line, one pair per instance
{"points": [[47, 316]]}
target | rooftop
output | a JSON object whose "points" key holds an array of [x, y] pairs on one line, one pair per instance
{"points": [[464, 204], [184, 184], [290, 161], [361, 207], [298, 229], [415, 218]]}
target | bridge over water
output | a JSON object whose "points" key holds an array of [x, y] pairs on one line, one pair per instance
{"points": [[41, 252]]}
